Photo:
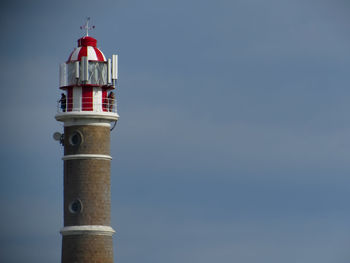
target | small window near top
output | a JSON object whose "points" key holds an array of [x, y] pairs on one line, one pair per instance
{"points": [[75, 139], [75, 207]]}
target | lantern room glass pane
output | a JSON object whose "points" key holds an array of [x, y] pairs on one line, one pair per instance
{"points": [[97, 73]]}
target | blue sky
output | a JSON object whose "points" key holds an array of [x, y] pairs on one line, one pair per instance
{"points": [[234, 138]]}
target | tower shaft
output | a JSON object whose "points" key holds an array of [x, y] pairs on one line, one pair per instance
{"points": [[87, 235]]}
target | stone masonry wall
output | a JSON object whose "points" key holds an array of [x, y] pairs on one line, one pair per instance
{"points": [[87, 249], [95, 140], [89, 181]]}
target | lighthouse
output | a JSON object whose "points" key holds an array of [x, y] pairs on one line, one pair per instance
{"points": [[88, 110]]}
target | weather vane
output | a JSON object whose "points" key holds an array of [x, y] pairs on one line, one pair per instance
{"points": [[86, 26]]}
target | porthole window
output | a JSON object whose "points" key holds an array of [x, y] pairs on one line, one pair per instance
{"points": [[75, 207], [75, 138]]}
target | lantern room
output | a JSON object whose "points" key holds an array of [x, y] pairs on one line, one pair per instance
{"points": [[88, 80]]}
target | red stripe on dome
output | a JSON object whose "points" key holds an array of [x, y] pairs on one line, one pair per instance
{"points": [[99, 54], [87, 41], [82, 53]]}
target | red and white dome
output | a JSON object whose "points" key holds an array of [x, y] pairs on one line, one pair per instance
{"points": [[87, 48]]}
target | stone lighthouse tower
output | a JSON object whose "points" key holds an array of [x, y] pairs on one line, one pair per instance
{"points": [[88, 111]]}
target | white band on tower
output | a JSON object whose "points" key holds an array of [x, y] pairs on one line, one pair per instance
{"points": [[87, 156], [87, 230], [88, 122]]}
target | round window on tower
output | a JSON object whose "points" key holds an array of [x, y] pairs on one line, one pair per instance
{"points": [[75, 207], [75, 138]]}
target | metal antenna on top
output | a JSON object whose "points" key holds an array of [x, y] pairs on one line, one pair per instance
{"points": [[87, 27]]}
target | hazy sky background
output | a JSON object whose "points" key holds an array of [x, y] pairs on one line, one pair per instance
{"points": [[234, 138]]}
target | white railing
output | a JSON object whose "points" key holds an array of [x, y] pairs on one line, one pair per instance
{"points": [[87, 104]]}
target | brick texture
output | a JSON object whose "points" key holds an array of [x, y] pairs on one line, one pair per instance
{"points": [[87, 249], [96, 140], [89, 181]]}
